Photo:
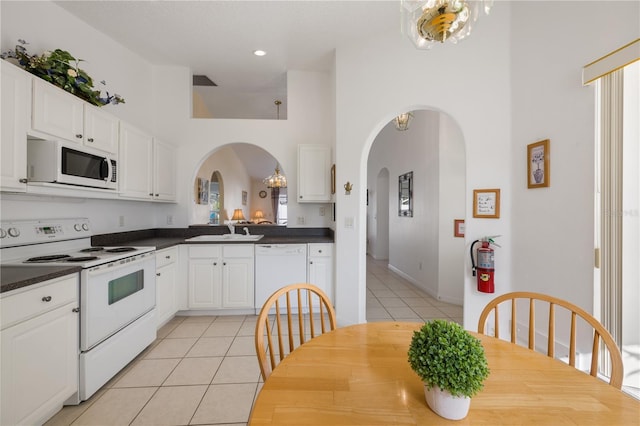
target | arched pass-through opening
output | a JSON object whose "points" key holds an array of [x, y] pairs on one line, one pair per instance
{"points": [[240, 170], [421, 246]]}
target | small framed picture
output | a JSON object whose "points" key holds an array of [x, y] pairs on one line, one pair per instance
{"points": [[486, 203], [244, 198], [458, 228], [538, 164]]}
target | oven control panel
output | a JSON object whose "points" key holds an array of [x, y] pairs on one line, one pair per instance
{"points": [[21, 232]]}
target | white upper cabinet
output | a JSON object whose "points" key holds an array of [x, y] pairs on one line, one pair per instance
{"points": [[63, 115], [314, 168], [100, 129], [147, 166], [164, 171], [15, 110], [135, 170]]}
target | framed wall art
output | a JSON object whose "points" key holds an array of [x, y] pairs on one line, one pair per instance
{"points": [[486, 203], [538, 164], [458, 228], [405, 195], [244, 198]]}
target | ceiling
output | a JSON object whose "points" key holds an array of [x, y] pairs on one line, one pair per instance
{"points": [[217, 39]]}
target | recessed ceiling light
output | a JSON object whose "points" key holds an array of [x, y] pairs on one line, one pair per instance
{"points": [[259, 52]]}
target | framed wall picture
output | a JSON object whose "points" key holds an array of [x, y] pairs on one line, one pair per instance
{"points": [[486, 203], [538, 164], [458, 228], [244, 198], [405, 195]]}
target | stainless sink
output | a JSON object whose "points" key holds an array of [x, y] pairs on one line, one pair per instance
{"points": [[225, 237]]}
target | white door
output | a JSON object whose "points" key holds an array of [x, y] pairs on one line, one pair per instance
{"points": [[57, 112], [164, 171], [237, 289], [101, 129], [135, 157]]}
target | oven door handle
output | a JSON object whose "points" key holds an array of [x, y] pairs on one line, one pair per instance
{"points": [[121, 264], [105, 170]]}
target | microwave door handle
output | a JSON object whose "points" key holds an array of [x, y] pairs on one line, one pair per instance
{"points": [[106, 174]]}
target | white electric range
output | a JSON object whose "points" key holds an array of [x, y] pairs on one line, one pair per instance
{"points": [[117, 291]]}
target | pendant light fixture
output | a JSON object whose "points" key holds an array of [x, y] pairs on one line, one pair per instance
{"points": [[402, 121], [427, 22], [276, 180], [277, 102]]}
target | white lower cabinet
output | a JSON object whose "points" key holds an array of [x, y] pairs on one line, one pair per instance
{"points": [[221, 276], [166, 291], [39, 350], [320, 267]]}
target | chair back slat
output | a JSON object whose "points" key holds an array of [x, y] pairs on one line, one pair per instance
{"points": [[551, 340], [600, 334], [307, 311], [572, 339], [532, 324]]}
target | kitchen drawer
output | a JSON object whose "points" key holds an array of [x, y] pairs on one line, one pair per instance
{"points": [[205, 250], [320, 250], [237, 250], [166, 256], [33, 302]]}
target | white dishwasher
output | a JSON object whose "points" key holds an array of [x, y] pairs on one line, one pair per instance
{"points": [[278, 265]]}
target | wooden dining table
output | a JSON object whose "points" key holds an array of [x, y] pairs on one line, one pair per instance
{"points": [[360, 375]]}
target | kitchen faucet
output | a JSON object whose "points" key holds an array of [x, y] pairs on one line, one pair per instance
{"points": [[231, 226], [246, 230]]}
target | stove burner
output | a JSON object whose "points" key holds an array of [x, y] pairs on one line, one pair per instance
{"points": [[120, 249], [81, 259], [91, 249], [49, 258]]}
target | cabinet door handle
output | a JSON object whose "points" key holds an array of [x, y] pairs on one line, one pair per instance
{"points": [[23, 180], [215, 263], [46, 299], [79, 136], [224, 263], [90, 140], [157, 195], [158, 274], [167, 257], [76, 310], [311, 262]]}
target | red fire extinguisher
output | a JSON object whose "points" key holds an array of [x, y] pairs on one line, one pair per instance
{"points": [[485, 268]]}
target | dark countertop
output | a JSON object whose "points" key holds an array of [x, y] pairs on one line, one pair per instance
{"points": [[17, 276]]}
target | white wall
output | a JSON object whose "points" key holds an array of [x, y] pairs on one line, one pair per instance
{"points": [[553, 227], [452, 201], [377, 80]]}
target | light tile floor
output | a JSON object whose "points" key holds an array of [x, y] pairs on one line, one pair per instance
{"points": [[202, 370]]}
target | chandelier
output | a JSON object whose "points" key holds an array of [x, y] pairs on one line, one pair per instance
{"points": [[276, 180], [402, 121], [427, 22]]}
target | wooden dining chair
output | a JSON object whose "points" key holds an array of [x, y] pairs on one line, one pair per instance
{"points": [[291, 316], [599, 332]]}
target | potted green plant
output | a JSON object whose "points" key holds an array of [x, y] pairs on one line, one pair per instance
{"points": [[451, 363]]}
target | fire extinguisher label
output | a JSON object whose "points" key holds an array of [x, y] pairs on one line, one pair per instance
{"points": [[485, 277]]}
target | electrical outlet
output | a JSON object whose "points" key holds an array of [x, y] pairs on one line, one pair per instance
{"points": [[321, 211], [169, 219], [348, 222], [121, 220], [300, 220]]}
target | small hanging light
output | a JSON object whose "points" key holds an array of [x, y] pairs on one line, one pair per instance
{"points": [[276, 180], [402, 121], [278, 103]]}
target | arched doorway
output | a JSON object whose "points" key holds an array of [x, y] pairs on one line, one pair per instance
{"points": [[422, 247]]}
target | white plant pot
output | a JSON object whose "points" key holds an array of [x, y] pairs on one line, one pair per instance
{"points": [[446, 405]]}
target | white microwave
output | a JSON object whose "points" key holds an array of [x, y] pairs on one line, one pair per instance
{"points": [[70, 163]]}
